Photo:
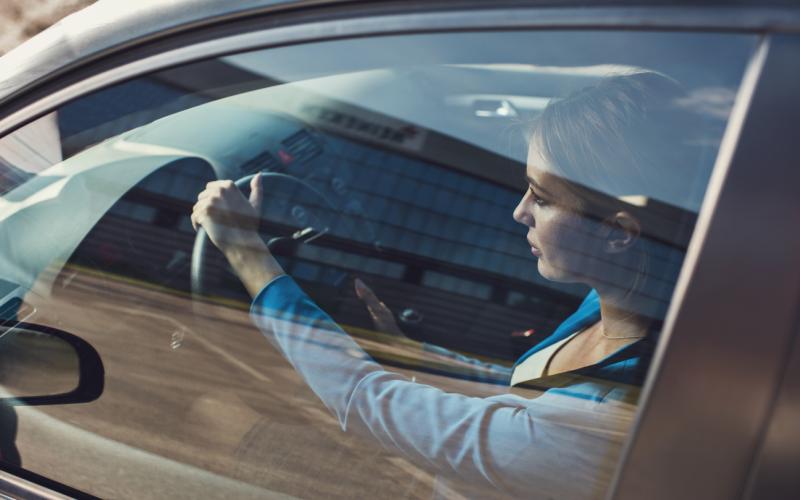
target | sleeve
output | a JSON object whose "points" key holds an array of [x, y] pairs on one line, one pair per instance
{"points": [[484, 371], [549, 443]]}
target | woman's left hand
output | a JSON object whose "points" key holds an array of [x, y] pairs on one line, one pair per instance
{"points": [[381, 315]]}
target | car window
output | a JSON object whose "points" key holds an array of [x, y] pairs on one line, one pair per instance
{"points": [[480, 234]]}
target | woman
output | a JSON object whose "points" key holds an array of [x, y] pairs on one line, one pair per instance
{"points": [[588, 153]]}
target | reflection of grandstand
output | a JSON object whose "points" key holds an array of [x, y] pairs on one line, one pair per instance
{"points": [[439, 209], [459, 270]]}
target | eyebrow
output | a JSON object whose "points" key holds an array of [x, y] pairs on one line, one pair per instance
{"points": [[536, 184]]}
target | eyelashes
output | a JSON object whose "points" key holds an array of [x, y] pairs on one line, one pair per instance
{"points": [[536, 198]]}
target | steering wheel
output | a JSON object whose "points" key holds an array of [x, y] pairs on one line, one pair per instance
{"points": [[299, 188]]}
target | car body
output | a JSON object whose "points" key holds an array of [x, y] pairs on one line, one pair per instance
{"points": [[131, 113]]}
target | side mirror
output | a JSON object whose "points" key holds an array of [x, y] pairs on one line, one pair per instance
{"points": [[40, 365]]}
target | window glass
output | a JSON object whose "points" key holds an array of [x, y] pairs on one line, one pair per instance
{"points": [[467, 246]]}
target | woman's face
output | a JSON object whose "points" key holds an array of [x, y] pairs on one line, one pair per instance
{"points": [[563, 239]]}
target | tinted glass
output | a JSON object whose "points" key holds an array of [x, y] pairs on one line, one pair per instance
{"points": [[452, 210]]}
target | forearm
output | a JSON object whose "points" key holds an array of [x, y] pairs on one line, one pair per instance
{"points": [[484, 368], [254, 264]]}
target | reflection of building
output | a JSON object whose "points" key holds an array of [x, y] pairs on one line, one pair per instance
{"points": [[429, 221]]}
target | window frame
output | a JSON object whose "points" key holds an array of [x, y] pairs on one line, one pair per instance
{"points": [[704, 282], [701, 316]]}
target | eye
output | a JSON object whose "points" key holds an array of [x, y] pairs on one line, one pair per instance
{"points": [[536, 198]]}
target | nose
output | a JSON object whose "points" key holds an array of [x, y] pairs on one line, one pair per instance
{"points": [[522, 214]]}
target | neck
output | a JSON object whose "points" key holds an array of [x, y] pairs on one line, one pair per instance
{"points": [[623, 316]]}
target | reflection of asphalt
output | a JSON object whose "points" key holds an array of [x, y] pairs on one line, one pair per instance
{"points": [[214, 396]]}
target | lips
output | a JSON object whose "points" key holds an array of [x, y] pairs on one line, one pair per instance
{"points": [[534, 250]]}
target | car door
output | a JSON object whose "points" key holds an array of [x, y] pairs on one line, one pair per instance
{"points": [[392, 147]]}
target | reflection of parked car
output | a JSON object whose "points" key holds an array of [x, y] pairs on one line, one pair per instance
{"points": [[392, 143]]}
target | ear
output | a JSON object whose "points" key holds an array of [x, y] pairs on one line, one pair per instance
{"points": [[622, 231]]}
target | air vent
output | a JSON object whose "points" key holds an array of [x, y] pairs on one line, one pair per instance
{"points": [[302, 146], [259, 163]]}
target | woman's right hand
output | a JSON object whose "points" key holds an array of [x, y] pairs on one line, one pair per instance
{"points": [[231, 222], [381, 315], [230, 219]]}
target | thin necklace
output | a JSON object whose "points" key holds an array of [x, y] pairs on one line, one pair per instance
{"points": [[603, 333]]}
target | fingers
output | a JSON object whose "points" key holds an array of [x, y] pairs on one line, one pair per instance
{"points": [[221, 208], [199, 212], [365, 293], [256, 192], [212, 189], [216, 189], [213, 193], [197, 220], [376, 308], [225, 183], [227, 191], [381, 314]]}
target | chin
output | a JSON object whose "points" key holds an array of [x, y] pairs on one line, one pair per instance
{"points": [[546, 271], [552, 273]]}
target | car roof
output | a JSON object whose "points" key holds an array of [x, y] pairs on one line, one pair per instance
{"points": [[104, 26]]}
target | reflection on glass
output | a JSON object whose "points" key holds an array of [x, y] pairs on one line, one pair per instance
{"points": [[595, 160], [461, 345]]}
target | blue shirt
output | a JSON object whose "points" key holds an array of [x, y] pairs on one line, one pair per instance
{"points": [[628, 365], [562, 444]]}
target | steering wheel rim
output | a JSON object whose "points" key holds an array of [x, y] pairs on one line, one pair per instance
{"points": [[202, 242]]}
